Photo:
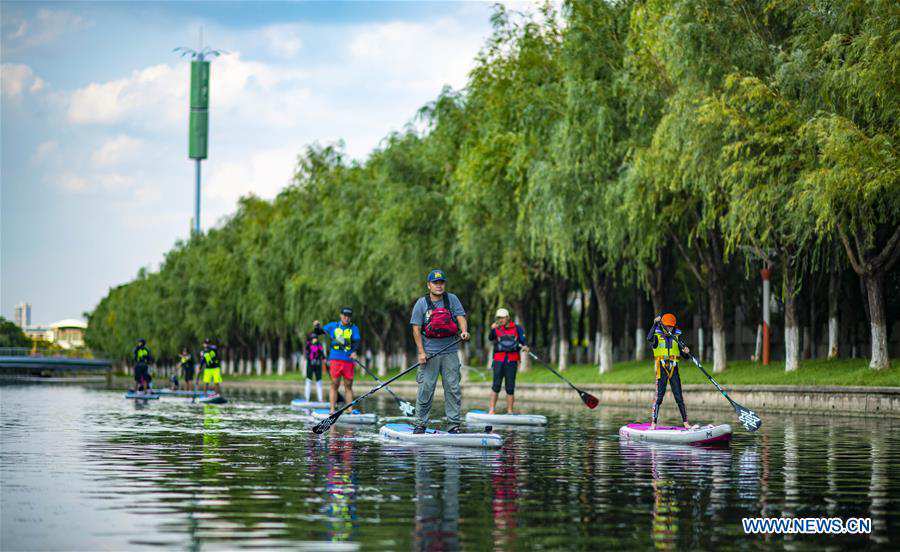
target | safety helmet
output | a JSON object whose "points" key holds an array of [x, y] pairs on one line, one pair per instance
{"points": [[668, 319]]}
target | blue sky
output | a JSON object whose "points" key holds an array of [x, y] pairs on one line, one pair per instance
{"points": [[95, 177]]}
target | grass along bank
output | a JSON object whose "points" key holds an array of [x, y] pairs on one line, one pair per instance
{"points": [[843, 372]]}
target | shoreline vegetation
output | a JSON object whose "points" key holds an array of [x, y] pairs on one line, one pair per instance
{"points": [[843, 373], [603, 163]]}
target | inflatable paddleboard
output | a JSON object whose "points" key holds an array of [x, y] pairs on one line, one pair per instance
{"points": [[212, 399], [404, 433], [141, 396], [354, 417], [180, 393], [706, 435], [482, 417], [303, 404]]}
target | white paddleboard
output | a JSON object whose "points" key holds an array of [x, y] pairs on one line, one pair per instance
{"points": [[141, 396], [706, 435], [482, 417], [404, 433], [354, 417], [303, 404]]}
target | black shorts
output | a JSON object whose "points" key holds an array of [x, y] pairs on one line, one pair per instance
{"points": [[314, 370], [187, 373], [505, 371], [141, 373]]}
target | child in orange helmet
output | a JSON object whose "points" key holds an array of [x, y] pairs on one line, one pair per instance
{"points": [[663, 338]]}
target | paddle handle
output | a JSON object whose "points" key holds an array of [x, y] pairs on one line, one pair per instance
{"points": [[366, 368], [548, 367]]}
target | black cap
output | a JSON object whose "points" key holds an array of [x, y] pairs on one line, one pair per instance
{"points": [[347, 310], [142, 340]]}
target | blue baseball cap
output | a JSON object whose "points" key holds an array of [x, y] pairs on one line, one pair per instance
{"points": [[437, 275]]}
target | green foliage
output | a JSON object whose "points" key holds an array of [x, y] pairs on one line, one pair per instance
{"points": [[598, 143], [12, 335]]}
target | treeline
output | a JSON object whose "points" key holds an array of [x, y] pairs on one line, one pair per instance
{"points": [[603, 164]]}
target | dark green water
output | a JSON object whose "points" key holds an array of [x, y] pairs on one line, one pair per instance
{"points": [[81, 468]]}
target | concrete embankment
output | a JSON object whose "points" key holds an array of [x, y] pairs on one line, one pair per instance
{"points": [[854, 401]]}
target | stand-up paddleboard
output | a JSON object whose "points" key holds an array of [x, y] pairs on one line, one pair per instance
{"points": [[180, 393], [482, 417], [706, 435], [303, 404], [141, 396], [404, 433], [354, 417], [212, 399]]}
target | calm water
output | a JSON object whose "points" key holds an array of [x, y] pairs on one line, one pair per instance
{"points": [[82, 468]]}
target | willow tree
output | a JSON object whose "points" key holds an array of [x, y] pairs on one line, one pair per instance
{"points": [[844, 71]]}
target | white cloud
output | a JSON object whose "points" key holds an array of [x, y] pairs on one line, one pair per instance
{"points": [[46, 27], [17, 78], [263, 173], [121, 149], [152, 97], [45, 151], [283, 41], [424, 56]]}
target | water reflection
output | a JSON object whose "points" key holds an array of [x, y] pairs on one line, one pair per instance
{"points": [[84, 469]]}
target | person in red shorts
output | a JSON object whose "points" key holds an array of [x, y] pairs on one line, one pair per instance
{"points": [[344, 337]]}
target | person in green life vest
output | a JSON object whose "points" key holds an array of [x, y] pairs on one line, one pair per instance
{"points": [[142, 360], [210, 366], [186, 363], [663, 339]]}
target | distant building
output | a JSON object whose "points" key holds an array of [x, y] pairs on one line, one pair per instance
{"points": [[22, 316], [39, 333], [68, 333]]}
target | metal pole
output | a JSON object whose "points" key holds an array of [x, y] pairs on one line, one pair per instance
{"points": [[766, 274], [197, 200]]}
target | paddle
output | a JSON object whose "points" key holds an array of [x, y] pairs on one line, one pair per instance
{"points": [[589, 400], [747, 417], [404, 406], [323, 426]]}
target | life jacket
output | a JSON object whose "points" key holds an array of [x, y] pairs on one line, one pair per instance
{"points": [[211, 358], [507, 338], [667, 350], [439, 321], [314, 352], [342, 339], [185, 361], [142, 355]]}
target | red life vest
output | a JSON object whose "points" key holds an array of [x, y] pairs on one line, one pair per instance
{"points": [[507, 347]]}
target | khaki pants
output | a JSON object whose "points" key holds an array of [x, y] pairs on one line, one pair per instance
{"points": [[447, 366]]}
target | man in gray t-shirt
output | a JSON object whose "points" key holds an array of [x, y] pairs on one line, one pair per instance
{"points": [[445, 364]]}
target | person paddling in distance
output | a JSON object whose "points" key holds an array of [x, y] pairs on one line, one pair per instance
{"points": [[436, 320], [315, 356], [663, 339], [211, 366], [186, 363], [509, 340], [344, 337], [142, 360]]}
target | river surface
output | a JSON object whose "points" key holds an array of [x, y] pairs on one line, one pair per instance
{"points": [[83, 469]]}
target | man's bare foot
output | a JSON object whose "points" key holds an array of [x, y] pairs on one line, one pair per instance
{"points": [[491, 412]]}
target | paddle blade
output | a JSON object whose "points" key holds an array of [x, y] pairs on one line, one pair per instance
{"points": [[589, 400], [748, 418], [325, 424], [407, 409]]}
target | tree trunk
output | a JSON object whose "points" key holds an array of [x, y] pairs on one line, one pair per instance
{"points": [[834, 286], [257, 362], [874, 283], [791, 329], [561, 316], [717, 318], [601, 292], [813, 324], [657, 288], [282, 353], [640, 336]]}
